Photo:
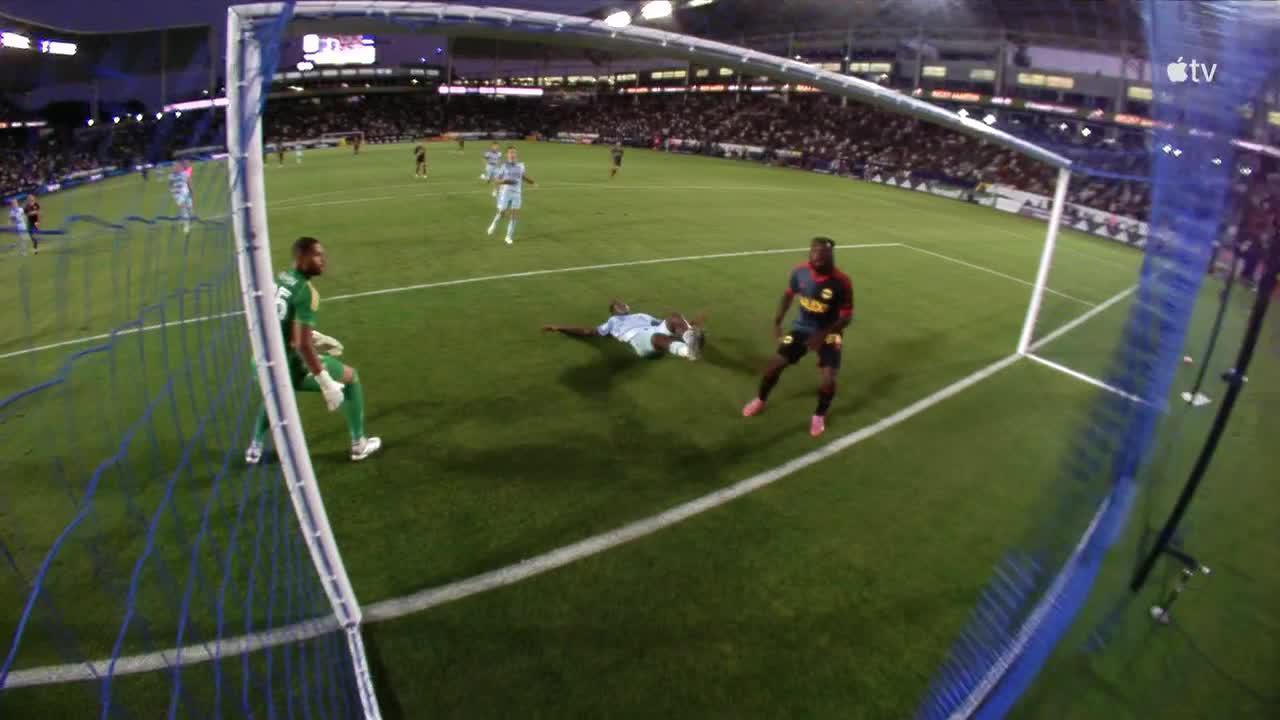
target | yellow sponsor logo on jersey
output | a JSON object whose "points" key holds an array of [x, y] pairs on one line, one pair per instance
{"points": [[826, 293], [813, 306]]}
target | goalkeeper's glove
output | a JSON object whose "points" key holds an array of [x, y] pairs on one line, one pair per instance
{"points": [[326, 345], [331, 389]]}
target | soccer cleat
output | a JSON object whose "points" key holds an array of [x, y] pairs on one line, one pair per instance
{"points": [[253, 455], [510, 240], [817, 425], [365, 447], [755, 407]]}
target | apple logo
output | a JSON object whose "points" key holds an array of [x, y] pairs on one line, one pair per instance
{"points": [[1177, 71]]}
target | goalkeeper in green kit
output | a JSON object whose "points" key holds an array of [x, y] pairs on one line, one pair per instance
{"points": [[296, 304]]}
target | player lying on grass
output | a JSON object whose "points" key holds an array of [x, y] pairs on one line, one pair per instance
{"points": [[296, 304], [646, 334], [826, 309]]}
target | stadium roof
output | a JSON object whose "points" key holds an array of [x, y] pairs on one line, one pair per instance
{"points": [[140, 52]]}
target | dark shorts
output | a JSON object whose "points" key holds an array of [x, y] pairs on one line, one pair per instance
{"points": [[795, 345], [617, 162]]}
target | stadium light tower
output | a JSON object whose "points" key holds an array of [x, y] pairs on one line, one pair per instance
{"points": [[656, 9], [618, 19]]}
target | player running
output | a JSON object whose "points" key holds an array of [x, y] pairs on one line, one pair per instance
{"points": [[296, 304], [826, 309], [646, 334], [297, 154], [32, 210], [420, 166], [180, 189], [492, 161], [616, 153], [19, 218], [510, 179]]}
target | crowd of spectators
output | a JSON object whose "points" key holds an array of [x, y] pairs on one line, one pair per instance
{"points": [[808, 130]]}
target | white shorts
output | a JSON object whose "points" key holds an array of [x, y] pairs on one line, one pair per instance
{"points": [[508, 200], [491, 172], [642, 340]]}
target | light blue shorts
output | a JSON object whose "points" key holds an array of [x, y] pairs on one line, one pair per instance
{"points": [[508, 200]]}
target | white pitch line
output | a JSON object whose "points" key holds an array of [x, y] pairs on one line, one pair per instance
{"points": [[1086, 378], [546, 562], [576, 187], [443, 283], [1082, 319], [1014, 278]]}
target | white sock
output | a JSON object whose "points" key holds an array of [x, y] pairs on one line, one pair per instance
{"points": [[496, 219], [678, 349], [511, 228]]}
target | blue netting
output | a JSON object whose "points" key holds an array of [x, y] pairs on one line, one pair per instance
{"points": [[132, 534], [1039, 588]]}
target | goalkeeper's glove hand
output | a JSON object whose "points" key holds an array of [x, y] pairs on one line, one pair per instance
{"points": [[331, 389], [326, 345]]}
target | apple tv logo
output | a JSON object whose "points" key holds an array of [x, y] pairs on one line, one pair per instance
{"points": [[1177, 71]]}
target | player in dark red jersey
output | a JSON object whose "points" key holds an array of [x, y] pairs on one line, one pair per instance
{"points": [[32, 210], [826, 309]]}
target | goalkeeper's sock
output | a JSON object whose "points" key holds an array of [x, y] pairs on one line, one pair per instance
{"points": [[766, 385], [261, 427], [353, 406], [824, 402]]}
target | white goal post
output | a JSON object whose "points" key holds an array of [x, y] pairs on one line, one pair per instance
{"points": [[245, 87]]}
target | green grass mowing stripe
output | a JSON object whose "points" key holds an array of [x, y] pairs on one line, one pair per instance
{"points": [[1028, 283]]}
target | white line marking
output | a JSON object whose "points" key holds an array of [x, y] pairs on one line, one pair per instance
{"points": [[1028, 283], [445, 283], [541, 187], [1082, 319], [1086, 378], [510, 574]]}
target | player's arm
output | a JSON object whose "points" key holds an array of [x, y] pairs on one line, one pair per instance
{"points": [[529, 180], [303, 342], [845, 315], [574, 331]]}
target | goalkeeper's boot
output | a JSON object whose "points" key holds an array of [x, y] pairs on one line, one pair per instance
{"points": [[364, 447], [817, 425], [253, 455], [755, 407]]}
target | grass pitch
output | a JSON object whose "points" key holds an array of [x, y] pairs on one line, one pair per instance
{"points": [[834, 591]]}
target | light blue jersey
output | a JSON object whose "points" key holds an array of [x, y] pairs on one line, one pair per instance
{"points": [[180, 188], [19, 218], [623, 327], [510, 192], [492, 159]]}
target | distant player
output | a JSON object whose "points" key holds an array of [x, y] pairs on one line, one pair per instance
{"points": [[511, 180], [296, 304], [492, 161], [280, 152], [462, 143], [826, 309], [355, 144], [616, 153], [32, 211], [646, 334], [19, 219], [297, 154], [420, 166], [180, 189]]}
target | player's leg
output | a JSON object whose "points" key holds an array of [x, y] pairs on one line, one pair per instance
{"points": [[33, 232], [514, 214], [502, 208], [829, 366], [352, 405], [670, 345], [791, 348]]}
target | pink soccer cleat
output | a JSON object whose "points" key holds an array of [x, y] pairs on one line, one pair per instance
{"points": [[817, 426], [755, 407]]}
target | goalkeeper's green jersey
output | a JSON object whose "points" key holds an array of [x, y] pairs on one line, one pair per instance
{"points": [[296, 302]]}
